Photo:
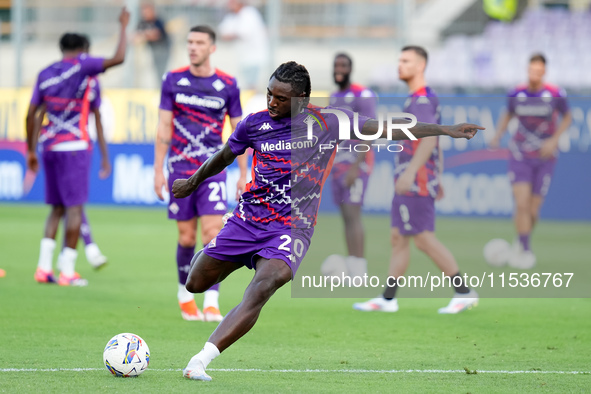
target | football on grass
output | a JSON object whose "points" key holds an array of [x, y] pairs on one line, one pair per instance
{"points": [[496, 252], [126, 355]]}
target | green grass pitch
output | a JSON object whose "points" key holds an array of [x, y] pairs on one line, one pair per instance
{"points": [[298, 344]]}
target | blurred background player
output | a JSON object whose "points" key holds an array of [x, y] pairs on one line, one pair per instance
{"points": [[417, 184], [64, 89], [193, 106], [151, 29], [533, 151], [351, 170], [93, 253], [244, 26]]}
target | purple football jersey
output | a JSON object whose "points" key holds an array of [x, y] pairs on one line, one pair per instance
{"points": [[199, 106], [537, 113], [423, 104], [288, 169], [64, 87]]}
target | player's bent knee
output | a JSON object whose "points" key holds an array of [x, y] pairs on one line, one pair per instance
{"points": [[271, 274]]}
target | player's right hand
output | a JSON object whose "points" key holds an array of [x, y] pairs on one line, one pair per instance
{"points": [[463, 130], [32, 162], [124, 17], [159, 183], [181, 188]]}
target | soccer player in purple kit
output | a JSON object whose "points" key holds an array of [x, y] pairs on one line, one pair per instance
{"points": [[416, 176], [193, 106], [64, 89], [272, 226], [351, 169], [533, 151], [93, 253]]}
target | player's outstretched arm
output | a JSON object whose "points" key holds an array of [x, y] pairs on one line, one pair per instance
{"points": [[421, 130], [182, 188], [119, 56]]}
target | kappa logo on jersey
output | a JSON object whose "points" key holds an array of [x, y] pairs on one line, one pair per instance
{"points": [[174, 208], [220, 206], [183, 82], [266, 126], [218, 85]]}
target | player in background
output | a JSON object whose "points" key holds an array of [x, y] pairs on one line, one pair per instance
{"points": [[271, 228], [533, 151], [93, 253], [351, 169], [417, 184], [64, 89], [193, 106]]}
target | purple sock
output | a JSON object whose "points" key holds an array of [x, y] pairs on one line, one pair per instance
{"points": [[85, 230], [183, 262], [524, 240], [215, 287]]}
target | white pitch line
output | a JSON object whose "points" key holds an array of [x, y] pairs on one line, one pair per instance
{"points": [[354, 371]]}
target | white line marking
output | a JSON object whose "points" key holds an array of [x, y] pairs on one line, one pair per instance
{"points": [[357, 371]]}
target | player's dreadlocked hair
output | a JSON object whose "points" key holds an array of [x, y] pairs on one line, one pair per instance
{"points": [[297, 76]]}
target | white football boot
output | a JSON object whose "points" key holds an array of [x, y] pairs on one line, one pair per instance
{"points": [[460, 302], [378, 304]]}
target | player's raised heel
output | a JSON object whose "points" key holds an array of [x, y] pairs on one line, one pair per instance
{"points": [[195, 371], [74, 280], [211, 313], [94, 256], [379, 304], [190, 312], [44, 276], [460, 303]]}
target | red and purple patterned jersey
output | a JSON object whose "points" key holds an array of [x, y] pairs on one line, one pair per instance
{"points": [[356, 98], [288, 169], [537, 113], [423, 104], [199, 106], [65, 89]]}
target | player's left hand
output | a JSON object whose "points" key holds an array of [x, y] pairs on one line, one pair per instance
{"points": [[105, 170], [463, 130], [548, 148], [181, 188], [404, 182], [240, 187], [351, 176]]}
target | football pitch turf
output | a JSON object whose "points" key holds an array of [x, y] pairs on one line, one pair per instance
{"points": [[52, 337]]}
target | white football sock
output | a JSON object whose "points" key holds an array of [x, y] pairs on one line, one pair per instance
{"points": [[211, 299], [67, 261], [357, 266], [208, 353], [183, 294], [46, 254]]}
